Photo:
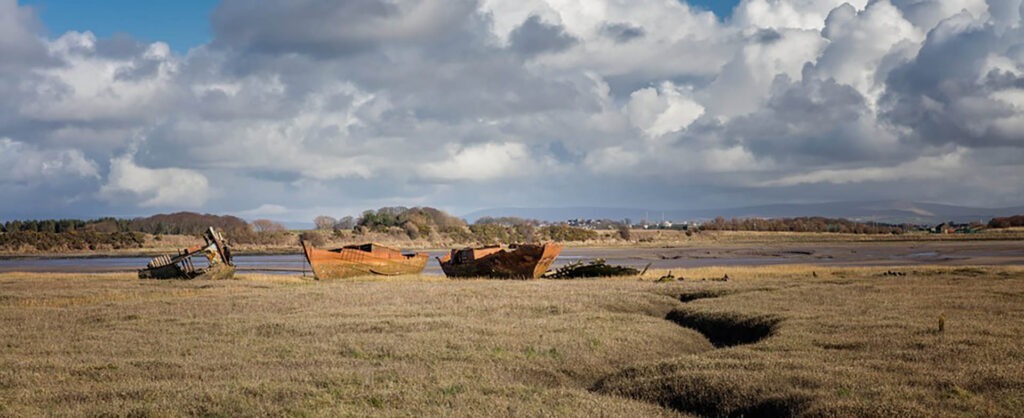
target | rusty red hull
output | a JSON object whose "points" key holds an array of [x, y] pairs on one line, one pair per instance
{"points": [[525, 261], [362, 260]]}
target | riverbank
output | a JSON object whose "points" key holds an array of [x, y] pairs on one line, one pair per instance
{"points": [[723, 254], [154, 245]]}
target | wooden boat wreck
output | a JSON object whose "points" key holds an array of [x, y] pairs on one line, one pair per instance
{"points": [[362, 260], [217, 265], [595, 268], [522, 261]]}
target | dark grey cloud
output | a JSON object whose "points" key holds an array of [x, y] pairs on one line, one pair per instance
{"points": [[948, 93], [313, 27], [140, 70], [20, 46], [767, 36], [927, 14], [810, 122], [326, 28], [622, 32], [119, 46], [535, 36]]}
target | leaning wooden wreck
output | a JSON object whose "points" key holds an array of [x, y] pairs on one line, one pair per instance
{"points": [[522, 261], [362, 260], [217, 265]]}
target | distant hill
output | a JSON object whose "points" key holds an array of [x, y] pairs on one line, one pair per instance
{"points": [[890, 211]]}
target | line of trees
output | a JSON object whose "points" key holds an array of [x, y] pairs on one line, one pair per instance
{"points": [[27, 241], [68, 225], [803, 224], [1006, 222], [427, 222], [116, 233], [415, 222], [181, 223]]}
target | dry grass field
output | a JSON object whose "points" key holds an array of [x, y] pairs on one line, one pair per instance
{"points": [[782, 340]]}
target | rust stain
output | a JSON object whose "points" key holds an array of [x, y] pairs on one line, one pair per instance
{"points": [[522, 261]]}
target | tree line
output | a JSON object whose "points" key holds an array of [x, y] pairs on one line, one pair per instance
{"points": [[114, 233], [432, 223], [181, 223], [803, 224], [1006, 222]]}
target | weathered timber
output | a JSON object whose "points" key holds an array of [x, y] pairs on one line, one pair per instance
{"points": [[216, 253], [596, 268]]}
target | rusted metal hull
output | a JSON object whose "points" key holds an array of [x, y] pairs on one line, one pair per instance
{"points": [[216, 253], [362, 260], [525, 261]]}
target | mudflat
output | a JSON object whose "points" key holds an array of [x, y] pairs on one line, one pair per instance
{"points": [[880, 253]]}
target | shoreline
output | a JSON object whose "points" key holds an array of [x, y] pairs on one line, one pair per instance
{"points": [[695, 254], [730, 239], [133, 254]]}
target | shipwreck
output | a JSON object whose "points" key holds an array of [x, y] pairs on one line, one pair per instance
{"points": [[362, 260], [522, 261], [595, 268], [207, 261]]}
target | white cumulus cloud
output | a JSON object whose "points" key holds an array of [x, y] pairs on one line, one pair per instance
{"points": [[21, 162], [482, 162], [663, 110], [169, 187]]}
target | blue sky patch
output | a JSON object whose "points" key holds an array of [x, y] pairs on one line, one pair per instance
{"points": [[182, 24]]}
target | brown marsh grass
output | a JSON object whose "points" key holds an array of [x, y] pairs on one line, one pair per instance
{"points": [[778, 340], [911, 341], [271, 345]]}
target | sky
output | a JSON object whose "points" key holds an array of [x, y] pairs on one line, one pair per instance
{"points": [[288, 110], [180, 24]]}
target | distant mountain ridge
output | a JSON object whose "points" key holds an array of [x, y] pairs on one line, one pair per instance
{"points": [[886, 211]]}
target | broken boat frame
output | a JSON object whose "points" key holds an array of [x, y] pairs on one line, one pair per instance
{"points": [[595, 268], [217, 254]]}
